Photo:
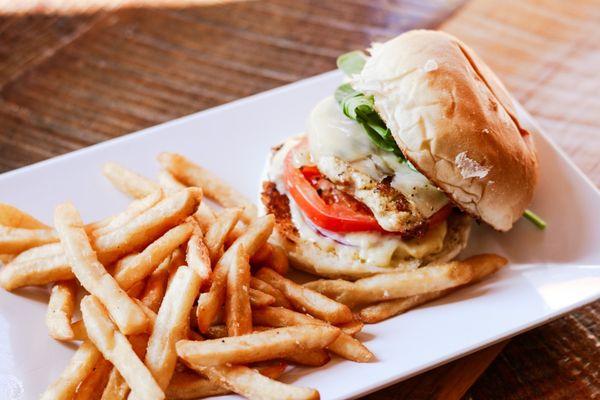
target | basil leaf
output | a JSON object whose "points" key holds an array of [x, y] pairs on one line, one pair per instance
{"points": [[357, 104], [343, 91], [351, 63], [377, 139]]}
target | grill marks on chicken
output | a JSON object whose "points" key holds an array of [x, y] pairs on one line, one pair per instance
{"points": [[391, 209]]}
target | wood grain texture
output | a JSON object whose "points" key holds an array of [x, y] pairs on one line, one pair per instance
{"points": [[68, 81]]}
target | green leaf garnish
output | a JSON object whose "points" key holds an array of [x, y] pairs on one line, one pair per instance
{"points": [[352, 63], [535, 219], [343, 91]]}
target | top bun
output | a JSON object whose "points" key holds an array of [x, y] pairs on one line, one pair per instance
{"points": [[455, 121]]}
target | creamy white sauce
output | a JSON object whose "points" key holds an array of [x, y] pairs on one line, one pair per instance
{"points": [[331, 133]]}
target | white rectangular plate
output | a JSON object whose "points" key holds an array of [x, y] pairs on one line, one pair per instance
{"points": [[550, 273]]}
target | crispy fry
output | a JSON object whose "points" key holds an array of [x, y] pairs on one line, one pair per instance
{"points": [[260, 299], [261, 346], [189, 385], [148, 226], [39, 271], [482, 266], [13, 217], [209, 303], [16, 240], [280, 299], [60, 310], [307, 300], [79, 332], [253, 385], [169, 183], [40, 252], [385, 309], [238, 314], [92, 275], [150, 314], [129, 182], [115, 347], [395, 285], [351, 328], [80, 365], [134, 209], [191, 174], [310, 358], [116, 388], [219, 230], [271, 256], [345, 345], [197, 255], [156, 286], [171, 325], [133, 269], [204, 216], [93, 384]]}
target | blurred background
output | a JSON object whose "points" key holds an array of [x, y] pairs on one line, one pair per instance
{"points": [[74, 73]]}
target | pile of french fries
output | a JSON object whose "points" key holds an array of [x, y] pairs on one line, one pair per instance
{"points": [[179, 300]]}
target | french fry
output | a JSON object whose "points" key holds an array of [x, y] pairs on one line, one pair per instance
{"points": [[307, 300], [136, 290], [60, 310], [219, 230], [260, 299], [482, 266], [280, 299], [13, 217], [351, 328], [261, 346], [310, 358], [271, 256], [94, 383], [210, 302], [253, 385], [91, 274], [385, 309], [79, 332], [134, 209], [395, 285], [16, 240], [80, 365], [168, 183], [204, 216], [156, 286], [197, 255], [191, 174], [238, 314], [35, 272], [6, 258], [171, 325], [116, 388], [129, 182], [115, 347], [40, 252], [189, 385], [150, 314], [345, 345], [148, 226], [131, 270]]}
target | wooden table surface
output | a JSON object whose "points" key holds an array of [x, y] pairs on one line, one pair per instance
{"points": [[74, 77]]}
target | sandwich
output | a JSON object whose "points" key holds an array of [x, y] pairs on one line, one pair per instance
{"points": [[418, 140]]}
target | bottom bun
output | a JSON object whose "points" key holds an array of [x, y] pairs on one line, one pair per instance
{"points": [[308, 256]]}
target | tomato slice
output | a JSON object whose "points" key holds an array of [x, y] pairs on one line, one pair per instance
{"points": [[337, 216], [333, 217]]}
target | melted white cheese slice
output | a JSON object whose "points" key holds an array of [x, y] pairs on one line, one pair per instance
{"points": [[331, 133]]}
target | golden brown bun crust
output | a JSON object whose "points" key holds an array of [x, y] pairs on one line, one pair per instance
{"points": [[455, 121]]}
